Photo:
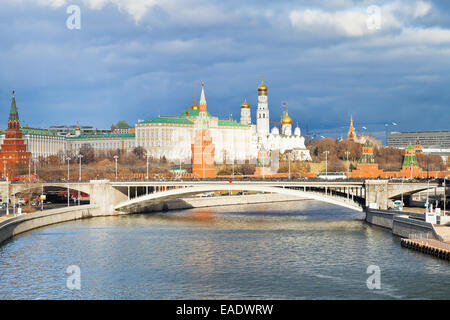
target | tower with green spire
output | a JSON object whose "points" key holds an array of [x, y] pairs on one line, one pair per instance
{"points": [[13, 121], [410, 159], [367, 154], [13, 151]]}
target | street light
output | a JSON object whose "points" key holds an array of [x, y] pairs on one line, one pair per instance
{"points": [[326, 163], [289, 166], [148, 155], [68, 179], [115, 158], [7, 187], [232, 173], [445, 195], [386, 128], [348, 165], [79, 157]]}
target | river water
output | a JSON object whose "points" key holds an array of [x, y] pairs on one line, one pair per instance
{"points": [[291, 250]]}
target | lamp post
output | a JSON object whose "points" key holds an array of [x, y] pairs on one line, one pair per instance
{"points": [[115, 158], [29, 170], [148, 155], [445, 195], [79, 157], [386, 128], [68, 179], [326, 163], [402, 192], [232, 165], [289, 166], [7, 187], [348, 165]]}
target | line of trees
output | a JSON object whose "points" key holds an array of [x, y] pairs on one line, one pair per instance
{"points": [[388, 158]]}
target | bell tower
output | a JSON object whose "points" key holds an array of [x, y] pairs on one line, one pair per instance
{"points": [[262, 114]]}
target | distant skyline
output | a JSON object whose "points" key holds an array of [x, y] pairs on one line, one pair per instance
{"points": [[134, 59]]}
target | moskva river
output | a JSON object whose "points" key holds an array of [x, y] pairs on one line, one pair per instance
{"points": [[292, 250]]}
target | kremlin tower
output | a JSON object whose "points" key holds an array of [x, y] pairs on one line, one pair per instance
{"points": [[13, 151], [202, 148], [351, 131]]}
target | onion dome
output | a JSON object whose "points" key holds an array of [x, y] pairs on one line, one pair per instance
{"points": [[245, 105], [194, 106], [262, 89], [275, 130], [286, 120]]}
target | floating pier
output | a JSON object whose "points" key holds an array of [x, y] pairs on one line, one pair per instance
{"points": [[432, 247]]}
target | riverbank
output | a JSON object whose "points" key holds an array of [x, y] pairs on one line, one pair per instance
{"points": [[402, 224], [11, 227]]}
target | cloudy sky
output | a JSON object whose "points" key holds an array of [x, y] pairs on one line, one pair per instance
{"points": [[133, 59]]}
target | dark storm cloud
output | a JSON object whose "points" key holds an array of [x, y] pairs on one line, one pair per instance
{"points": [[134, 59]]}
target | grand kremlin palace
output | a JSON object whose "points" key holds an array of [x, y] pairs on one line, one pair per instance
{"points": [[171, 136]]}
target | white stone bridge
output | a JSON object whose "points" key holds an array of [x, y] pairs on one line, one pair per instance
{"points": [[136, 196]]}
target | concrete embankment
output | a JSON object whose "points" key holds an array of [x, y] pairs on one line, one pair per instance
{"points": [[402, 224], [17, 225], [203, 202]]}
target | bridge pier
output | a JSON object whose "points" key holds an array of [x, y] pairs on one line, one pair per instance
{"points": [[377, 192]]}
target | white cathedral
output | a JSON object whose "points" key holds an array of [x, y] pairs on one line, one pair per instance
{"points": [[171, 136], [273, 140]]}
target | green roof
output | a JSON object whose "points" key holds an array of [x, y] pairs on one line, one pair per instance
{"points": [[230, 123], [13, 114], [410, 161], [103, 136], [38, 132], [169, 120], [192, 113]]}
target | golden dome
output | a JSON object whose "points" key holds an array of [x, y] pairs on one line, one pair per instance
{"points": [[286, 119], [245, 104], [262, 87], [194, 106]]}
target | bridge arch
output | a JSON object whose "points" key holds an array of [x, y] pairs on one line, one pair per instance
{"points": [[140, 202]]}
